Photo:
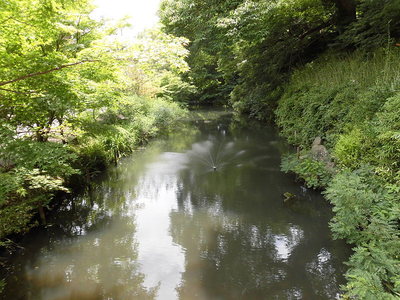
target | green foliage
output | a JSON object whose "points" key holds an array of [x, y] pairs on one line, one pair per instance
{"points": [[10, 188], [92, 157], [350, 148], [367, 213], [74, 101], [174, 88], [243, 51], [52, 56], [40, 169], [210, 48], [15, 219], [120, 129], [314, 173], [21, 190], [327, 95], [103, 144], [387, 142], [378, 23], [375, 143], [282, 56], [53, 158], [353, 103], [247, 47], [266, 57], [158, 61]]}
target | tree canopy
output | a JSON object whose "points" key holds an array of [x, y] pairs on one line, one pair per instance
{"points": [[73, 98], [243, 51]]}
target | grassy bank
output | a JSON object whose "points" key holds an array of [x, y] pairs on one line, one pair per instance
{"points": [[33, 172], [353, 103]]}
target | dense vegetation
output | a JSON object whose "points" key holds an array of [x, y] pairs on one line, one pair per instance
{"points": [[353, 103], [73, 99], [320, 68]]}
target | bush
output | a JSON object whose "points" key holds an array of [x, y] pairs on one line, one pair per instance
{"points": [[165, 113], [376, 143], [22, 190], [351, 148], [387, 149], [132, 121], [92, 157], [53, 158], [367, 214], [35, 172], [314, 173], [15, 219]]}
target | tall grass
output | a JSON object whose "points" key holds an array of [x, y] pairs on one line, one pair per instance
{"points": [[331, 95], [365, 70]]}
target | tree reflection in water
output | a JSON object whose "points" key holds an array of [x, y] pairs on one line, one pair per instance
{"points": [[93, 266], [164, 225]]}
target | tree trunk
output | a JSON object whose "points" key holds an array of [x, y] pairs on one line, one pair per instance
{"points": [[42, 215], [346, 11], [40, 136]]}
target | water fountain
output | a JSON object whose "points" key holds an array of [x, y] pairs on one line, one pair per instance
{"points": [[213, 154]]}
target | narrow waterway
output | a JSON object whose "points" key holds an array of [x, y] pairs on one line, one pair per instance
{"points": [[165, 224]]}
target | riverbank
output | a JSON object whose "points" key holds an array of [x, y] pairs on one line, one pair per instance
{"points": [[75, 97], [352, 103], [35, 172]]}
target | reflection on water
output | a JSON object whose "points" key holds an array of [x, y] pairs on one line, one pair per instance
{"points": [[165, 225], [94, 266]]}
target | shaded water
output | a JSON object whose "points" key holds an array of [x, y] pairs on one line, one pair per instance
{"points": [[165, 225]]}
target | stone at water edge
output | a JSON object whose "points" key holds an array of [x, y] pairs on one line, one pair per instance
{"points": [[320, 153]]}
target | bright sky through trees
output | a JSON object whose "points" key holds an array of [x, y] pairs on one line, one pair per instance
{"points": [[143, 13]]}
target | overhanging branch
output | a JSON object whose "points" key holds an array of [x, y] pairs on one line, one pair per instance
{"points": [[13, 91], [315, 29], [45, 72]]}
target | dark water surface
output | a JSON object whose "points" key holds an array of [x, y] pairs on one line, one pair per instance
{"points": [[164, 225]]}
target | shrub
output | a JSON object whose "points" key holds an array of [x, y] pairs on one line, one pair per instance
{"points": [[367, 214], [314, 173], [132, 121], [53, 158], [22, 190], [350, 148]]}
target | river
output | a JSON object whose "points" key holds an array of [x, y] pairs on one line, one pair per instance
{"points": [[166, 224]]}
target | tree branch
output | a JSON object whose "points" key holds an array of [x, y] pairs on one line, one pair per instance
{"points": [[315, 29], [46, 72], [16, 92]]}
